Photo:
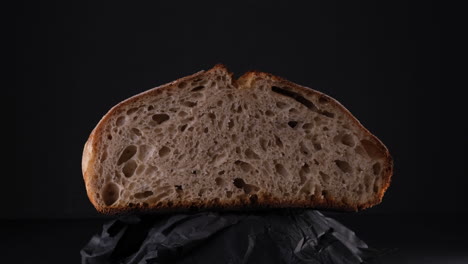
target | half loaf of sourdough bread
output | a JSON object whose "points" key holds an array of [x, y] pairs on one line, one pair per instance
{"points": [[210, 141]]}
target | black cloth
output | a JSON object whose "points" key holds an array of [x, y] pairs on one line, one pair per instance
{"points": [[279, 236]]}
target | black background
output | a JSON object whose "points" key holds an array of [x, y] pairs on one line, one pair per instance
{"points": [[74, 61]]}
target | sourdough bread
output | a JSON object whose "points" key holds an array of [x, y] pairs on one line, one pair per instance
{"points": [[210, 141]]}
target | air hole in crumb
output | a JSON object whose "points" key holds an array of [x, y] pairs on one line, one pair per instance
{"points": [[253, 199], [120, 121], [197, 96], [143, 195], [263, 143], [249, 188], [182, 128], [278, 141], [304, 173], [198, 88], [327, 114], [194, 81], [239, 183], [136, 131], [238, 150], [307, 125], [376, 186], [219, 181], [376, 168], [109, 137], [150, 107], [164, 151], [269, 113], [189, 103], [347, 140], [250, 154], [230, 124], [129, 168], [360, 150], [344, 166], [140, 169], [292, 124], [182, 85], [281, 170], [103, 156], [308, 188], [317, 146], [201, 192], [178, 188], [303, 148], [132, 110], [212, 115], [228, 194], [127, 154], [205, 130], [367, 182], [160, 118], [219, 159], [245, 166], [325, 177], [110, 193], [293, 111], [316, 162], [372, 149], [182, 113], [221, 172], [323, 100], [281, 105], [144, 152]]}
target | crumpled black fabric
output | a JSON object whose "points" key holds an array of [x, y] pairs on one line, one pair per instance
{"points": [[287, 236]]}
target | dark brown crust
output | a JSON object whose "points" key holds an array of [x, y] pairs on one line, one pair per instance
{"points": [[262, 200]]}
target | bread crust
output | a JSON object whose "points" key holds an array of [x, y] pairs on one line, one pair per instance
{"points": [[257, 201]]}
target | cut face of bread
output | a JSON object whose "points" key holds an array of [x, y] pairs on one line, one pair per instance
{"points": [[209, 141]]}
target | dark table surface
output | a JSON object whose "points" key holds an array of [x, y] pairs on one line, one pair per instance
{"points": [[415, 238]]}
